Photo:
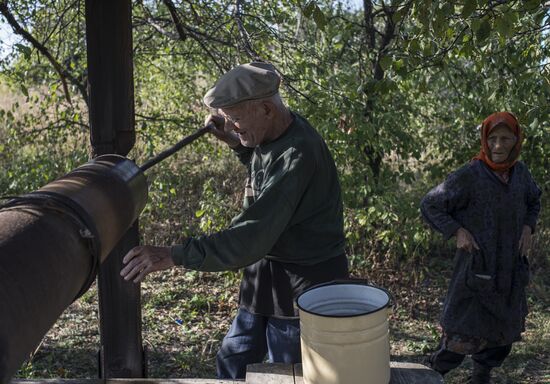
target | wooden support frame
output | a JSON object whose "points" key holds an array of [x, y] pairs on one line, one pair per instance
{"points": [[111, 102], [262, 373]]}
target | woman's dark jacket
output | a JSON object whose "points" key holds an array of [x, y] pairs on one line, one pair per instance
{"points": [[486, 296]]}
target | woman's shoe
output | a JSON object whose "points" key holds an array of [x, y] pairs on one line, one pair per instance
{"points": [[481, 374]]}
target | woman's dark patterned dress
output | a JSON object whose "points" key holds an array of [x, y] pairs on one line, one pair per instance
{"points": [[486, 296]]}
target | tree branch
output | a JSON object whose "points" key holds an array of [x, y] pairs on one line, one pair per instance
{"points": [[181, 32], [175, 17], [174, 120], [63, 74], [161, 30], [155, 22], [58, 22], [387, 37], [245, 37]]}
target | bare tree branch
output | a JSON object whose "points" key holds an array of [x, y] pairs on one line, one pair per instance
{"points": [[156, 22], [251, 52], [245, 38], [370, 30], [163, 118], [161, 30], [175, 17], [181, 32], [58, 125], [59, 20]]}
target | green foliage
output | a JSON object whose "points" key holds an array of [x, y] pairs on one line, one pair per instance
{"points": [[397, 92], [38, 142], [212, 212]]}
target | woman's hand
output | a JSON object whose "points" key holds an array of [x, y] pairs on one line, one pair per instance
{"points": [[525, 240], [142, 260], [465, 240]]}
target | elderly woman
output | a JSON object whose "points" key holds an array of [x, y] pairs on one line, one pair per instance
{"points": [[491, 205]]}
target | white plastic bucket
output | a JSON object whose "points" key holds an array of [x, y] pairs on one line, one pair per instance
{"points": [[344, 334]]}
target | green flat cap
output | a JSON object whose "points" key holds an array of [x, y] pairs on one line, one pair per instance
{"points": [[251, 81]]}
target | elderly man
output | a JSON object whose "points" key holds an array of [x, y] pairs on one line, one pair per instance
{"points": [[289, 235]]}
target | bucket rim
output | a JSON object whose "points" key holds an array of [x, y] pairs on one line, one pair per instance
{"points": [[346, 282]]}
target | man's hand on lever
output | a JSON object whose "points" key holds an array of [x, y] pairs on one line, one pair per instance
{"points": [[222, 129]]}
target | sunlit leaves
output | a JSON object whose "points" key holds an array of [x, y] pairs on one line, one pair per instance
{"points": [[385, 62], [26, 51], [468, 8], [445, 66], [312, 10], [482, 30], [504, 24]]}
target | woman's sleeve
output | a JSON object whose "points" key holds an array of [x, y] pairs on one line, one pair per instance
{"points": [[440, 204], [532, 202], [254, 232]]}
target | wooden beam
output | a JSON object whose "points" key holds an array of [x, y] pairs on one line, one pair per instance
{"points": [[411, 373], [274, 373], [110, 76], [111, 103], [121, 354], [401, 373], [125, 381]]}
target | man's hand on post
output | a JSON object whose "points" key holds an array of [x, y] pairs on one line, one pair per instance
{"points": [[465, 240], [142, 260]]}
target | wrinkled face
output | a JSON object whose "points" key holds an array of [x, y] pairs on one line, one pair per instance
{"points": [[501, 141], [249, 122]]}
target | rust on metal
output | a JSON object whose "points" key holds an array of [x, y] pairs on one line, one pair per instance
{"points": [[51, 242]]}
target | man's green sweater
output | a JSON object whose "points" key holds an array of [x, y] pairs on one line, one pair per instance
{"points": [[292, 209]]}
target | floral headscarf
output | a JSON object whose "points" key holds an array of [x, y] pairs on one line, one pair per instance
{"points": [[487, 126]]}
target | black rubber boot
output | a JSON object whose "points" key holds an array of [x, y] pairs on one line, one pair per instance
{"points": [[481, 374], [429, 362]]}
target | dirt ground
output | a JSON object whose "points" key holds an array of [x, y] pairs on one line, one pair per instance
{"points": [[186, 314]]}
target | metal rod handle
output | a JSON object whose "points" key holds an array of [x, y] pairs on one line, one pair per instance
{"points": [[176, 147]]}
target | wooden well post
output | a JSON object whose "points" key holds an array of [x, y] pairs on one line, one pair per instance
{"points": [[111, 105]]}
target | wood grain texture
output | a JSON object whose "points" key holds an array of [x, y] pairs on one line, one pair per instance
{"points": [[411, 373], [401, 373], [125, 381], [111, 115], [270, 374]]}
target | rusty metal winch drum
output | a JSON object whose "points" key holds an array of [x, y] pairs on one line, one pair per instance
{"points": [[345, 333], [51, 243]]}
